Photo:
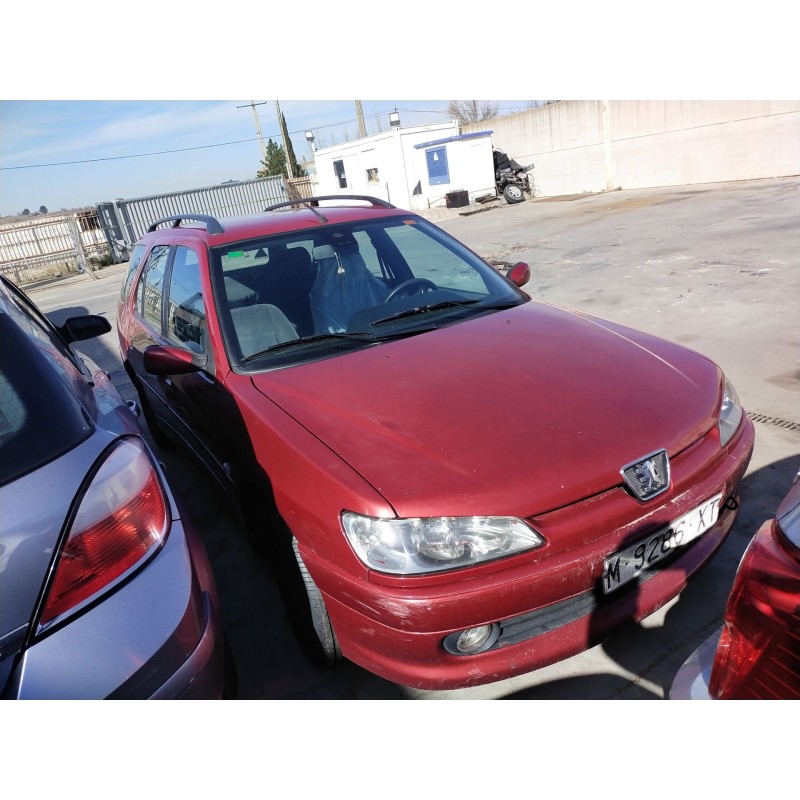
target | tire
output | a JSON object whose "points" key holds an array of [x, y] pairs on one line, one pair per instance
{"points": [[329, 652], [513, 193], [273, 542]]}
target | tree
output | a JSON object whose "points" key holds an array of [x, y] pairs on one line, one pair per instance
{"points": [[25, 212], [468, 112], [42, 209], [275, 163], [297, 170]]}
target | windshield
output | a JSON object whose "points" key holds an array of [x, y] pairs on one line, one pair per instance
{"points": [[336, 287]]}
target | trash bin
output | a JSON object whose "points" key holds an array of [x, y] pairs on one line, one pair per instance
{"points": [[457, 199]]}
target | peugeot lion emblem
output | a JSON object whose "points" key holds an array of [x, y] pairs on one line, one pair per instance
{"points": [[648, 476]]}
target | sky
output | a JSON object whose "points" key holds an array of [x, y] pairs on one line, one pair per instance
{"points": [[71, 153], [108, 102]]}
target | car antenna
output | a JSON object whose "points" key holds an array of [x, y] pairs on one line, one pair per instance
{"points": [[313, 206]]}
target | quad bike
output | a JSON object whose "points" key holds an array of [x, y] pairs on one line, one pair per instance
{"points": [[511, 178]]}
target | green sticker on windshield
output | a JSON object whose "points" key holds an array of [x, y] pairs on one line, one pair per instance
{"points": [[235, 254]]}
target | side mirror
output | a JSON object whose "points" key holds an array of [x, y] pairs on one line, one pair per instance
{"points": [[519, 274], [76, 329], [165, 360]]}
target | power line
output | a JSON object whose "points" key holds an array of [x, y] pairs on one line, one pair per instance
{"points": [[133, 155], [208, 146]]}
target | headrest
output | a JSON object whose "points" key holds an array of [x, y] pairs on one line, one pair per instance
{"points": [[297, 257], [323, 251]]}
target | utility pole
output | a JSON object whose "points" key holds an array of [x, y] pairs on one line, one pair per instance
{"points": [[258, 130], [284, 136], [362, 129]]}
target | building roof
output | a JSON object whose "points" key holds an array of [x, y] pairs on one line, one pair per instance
{"points": [[475, 135]]}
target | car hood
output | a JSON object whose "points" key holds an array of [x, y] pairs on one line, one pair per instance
{"points": [[517, 412]]}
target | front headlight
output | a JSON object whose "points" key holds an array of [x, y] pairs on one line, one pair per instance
{"points": [[433, 544], [730, 413]]}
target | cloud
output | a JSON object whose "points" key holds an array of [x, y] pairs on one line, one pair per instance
{"points": [[46, 132]]}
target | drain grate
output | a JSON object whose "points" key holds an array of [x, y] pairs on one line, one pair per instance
{"points": [[775, 422]]}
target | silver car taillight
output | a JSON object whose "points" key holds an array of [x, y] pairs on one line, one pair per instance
{"points": [[122, 518]]}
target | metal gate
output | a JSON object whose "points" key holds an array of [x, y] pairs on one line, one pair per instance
{"points": [[40, 249], [46, 249]]}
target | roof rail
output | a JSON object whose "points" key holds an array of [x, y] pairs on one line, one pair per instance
{"points": [[314, 201], [212, 223]]}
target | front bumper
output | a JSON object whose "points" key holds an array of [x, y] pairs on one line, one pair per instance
{"points": [[547, 604]]}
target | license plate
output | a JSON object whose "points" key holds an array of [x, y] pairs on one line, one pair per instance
{"points": [[627, 564]]}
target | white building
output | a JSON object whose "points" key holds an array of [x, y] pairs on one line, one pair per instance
{"points": [[414, 168]]}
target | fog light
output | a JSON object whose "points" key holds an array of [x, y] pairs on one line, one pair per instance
{"points": [[473, 640]]}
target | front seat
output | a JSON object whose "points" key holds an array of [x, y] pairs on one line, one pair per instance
{"points": [[286, 282], [260, 327], [343, 287]]}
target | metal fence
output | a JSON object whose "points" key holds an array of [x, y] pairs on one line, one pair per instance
{"points": [[46, 248], [126, 220], [39, 250]]}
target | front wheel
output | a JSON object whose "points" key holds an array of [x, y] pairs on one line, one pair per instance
{"points": [[329, 651], [513, 193]]}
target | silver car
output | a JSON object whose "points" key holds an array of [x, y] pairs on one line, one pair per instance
{"points": [[105, 590]]}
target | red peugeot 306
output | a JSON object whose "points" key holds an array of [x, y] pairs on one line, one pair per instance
{"points": [[454, 482]]}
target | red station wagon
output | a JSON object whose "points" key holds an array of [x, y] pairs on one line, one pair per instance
{"points": [[454, 482]]}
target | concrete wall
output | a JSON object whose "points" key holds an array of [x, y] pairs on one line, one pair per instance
{"points": [[597, 145]]}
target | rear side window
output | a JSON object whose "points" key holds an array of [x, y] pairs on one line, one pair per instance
{"points": [[153, 283], [133, 265]]}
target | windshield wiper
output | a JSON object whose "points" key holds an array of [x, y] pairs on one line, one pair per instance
{"points": [[501, 304], [410, 312], [303, 340], [354, 336]]}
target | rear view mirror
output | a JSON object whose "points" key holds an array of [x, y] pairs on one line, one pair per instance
{"points": [[519, 274], [165, 360], [76, 329]]}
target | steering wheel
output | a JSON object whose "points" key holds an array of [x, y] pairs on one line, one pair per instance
{"points": [[404, 289]]}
